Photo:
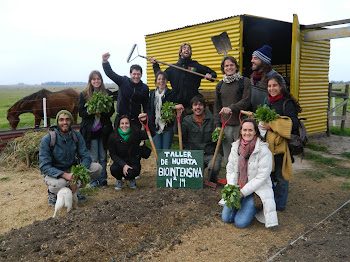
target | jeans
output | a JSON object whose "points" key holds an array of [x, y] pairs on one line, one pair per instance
{"points": [[163, 140], [231, 134], [99, 155], [55, 184], [280, 186], [207, 161], [242, 217]]}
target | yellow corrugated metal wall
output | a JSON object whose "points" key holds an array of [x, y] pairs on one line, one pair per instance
{"points": [[165, 46], [313, 83]]}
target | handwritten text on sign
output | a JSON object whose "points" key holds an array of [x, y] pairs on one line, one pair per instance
{"points": [[327, 34], [180, 168]]}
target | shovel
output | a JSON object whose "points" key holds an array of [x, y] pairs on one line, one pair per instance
{"points": [[160, 62], [149, 137], [222, 43], [221, 181]]}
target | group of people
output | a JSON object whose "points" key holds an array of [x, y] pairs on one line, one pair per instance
{"points": [[255, 163]]}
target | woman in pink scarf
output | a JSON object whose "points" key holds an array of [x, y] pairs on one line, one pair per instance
{"points": [[249, 167]]}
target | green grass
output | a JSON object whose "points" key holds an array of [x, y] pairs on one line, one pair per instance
{"points": [[89, 191], [316, 147], [321, 160], [11, 94], [314, 174], [346, 154], [345, 186], [335, 130], [5, 178]]}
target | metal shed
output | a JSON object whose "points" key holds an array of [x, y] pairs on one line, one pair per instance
{"points": [[304, 65]]}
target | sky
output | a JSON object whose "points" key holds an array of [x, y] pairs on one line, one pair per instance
{"points": [[45, 40]]}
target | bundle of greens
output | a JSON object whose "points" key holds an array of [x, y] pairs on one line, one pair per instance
{"points": [[81, 173], [232, 195], [265, 114], [167, 112], [99, 103], [215, 135]]}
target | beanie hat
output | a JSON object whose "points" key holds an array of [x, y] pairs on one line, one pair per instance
{"points": [[64, 112], [264, 53]]}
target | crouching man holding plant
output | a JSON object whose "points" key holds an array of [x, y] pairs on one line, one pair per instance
{"points": [[249, 167]]}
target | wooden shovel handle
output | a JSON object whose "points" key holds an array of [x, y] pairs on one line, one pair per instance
{"points": [[152, 144], [179, 132], [217, 147], [247, 113], [180, 68]]}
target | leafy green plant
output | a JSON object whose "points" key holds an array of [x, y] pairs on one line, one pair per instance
{"points": [[80, 172], [265, 114], [232, 195], [99, 103], [167, 112], [215, 135]]}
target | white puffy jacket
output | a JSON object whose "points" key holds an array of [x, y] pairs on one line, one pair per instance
{"points": [[259, 181]]}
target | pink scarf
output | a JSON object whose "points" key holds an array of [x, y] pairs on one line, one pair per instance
{"points": [[245, 149]]}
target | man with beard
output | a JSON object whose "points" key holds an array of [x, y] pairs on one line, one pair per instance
{"points": [[185, 84], [196, 133], [261, 66], [58, 152]]}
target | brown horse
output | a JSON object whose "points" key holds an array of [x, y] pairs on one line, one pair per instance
{"points": [[67, 99]]}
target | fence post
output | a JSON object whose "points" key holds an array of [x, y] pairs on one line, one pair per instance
{"points": [[344, 107], [44, 111]]}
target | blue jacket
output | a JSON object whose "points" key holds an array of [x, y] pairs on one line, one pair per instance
{"points": [[130, 95], [62, 157]]}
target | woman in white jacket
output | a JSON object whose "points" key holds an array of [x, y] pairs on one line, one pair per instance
{"points": [[249, 167]]}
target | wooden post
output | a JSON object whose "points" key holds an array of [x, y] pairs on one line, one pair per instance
{"points": [[329, 104], [344, 107]]}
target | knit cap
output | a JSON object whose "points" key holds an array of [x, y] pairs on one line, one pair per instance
{"points": [[264, 53], [64, 112]]}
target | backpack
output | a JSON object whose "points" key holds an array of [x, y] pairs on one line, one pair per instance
{"points": [[297, 142], [241, 86], [53, 139]]}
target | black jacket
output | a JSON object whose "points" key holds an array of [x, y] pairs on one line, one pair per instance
{"points": [[184, 83], [88, 120], [289, 111], [122, 152]]}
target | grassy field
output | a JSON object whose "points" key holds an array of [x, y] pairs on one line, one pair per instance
{"points": [[11, 94]]}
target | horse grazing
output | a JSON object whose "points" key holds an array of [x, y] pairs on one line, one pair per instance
{"points": [[67, 99]]}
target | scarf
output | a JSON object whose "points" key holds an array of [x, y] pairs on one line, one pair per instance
{"points": [[198, 119], [274, 99], [245, 149], [235, 77], [158, 106], [258, 75], [124, 135]]}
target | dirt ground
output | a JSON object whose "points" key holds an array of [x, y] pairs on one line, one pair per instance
{"points": [[150, 224]]}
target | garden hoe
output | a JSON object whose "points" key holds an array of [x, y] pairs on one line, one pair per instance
{"points": [[221, 181], [179, 132], [160, 62]]}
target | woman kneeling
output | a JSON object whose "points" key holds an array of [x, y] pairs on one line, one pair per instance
{"points": [[249, 167]]}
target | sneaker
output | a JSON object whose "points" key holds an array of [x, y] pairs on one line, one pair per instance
{"points": [[52, 198], [94, 183], [81, 198], [118, 185], [137, 177], [132, 184]]}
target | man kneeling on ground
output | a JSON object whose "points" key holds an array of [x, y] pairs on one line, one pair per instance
{"points": [[56, 161]]}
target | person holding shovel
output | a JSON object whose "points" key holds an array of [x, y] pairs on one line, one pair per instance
{"points": [[184, 83], [232, 95], [125, 150], [196, 132]]}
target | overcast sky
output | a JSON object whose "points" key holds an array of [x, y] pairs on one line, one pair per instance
{"points": [[45, 40]]}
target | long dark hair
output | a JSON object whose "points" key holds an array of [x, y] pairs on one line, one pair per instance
{"points": [[256, 128], [133, 140], [284, 90]]}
